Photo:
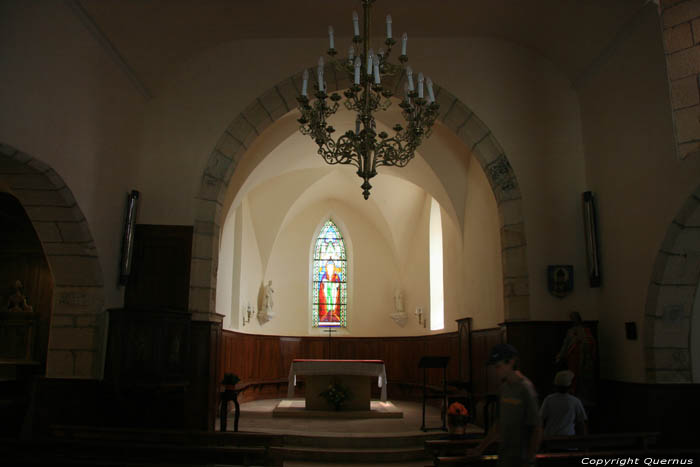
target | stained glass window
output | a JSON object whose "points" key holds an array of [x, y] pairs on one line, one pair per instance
{"points": [[330, 287]]}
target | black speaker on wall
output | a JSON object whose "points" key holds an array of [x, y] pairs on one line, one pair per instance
{"points": [[128, 238], [590, 228]]}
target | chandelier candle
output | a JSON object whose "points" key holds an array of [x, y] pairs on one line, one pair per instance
{"points": [[367, 148]]}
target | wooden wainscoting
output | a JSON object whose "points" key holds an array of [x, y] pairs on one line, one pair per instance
{"points": [[263, 362]]}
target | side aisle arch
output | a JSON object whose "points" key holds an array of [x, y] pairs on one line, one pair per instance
{"points": [[279, 100], [76, 335]]}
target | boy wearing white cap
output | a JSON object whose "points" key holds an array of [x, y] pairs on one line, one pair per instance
{"points": [[561, 412]]}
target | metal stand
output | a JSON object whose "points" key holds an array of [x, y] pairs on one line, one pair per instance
{"points": [[226, 396], [435, 362]]}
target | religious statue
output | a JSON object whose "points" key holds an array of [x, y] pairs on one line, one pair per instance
{"points": [[399, 316], [18, 301], [267, 300], [578, 354]]}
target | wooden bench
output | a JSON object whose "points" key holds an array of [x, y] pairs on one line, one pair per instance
{"points": [[566, 459], [586, 443]]}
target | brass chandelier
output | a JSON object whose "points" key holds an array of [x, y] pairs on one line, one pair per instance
{"points": [[372, 76]]}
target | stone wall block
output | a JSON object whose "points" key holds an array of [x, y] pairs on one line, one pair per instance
{"points": [[683, 63], [60, 364], [209, 188], [62, 321], [671, 334], [77, 300], [684, 92], [6, 150], [516, 286], [39, 197], [69, 249], [681, 13], [510, 212], [456, 116], [672, 376], [678, 37], [38, 165], [514, 262], [289, 93], [688, 240], [47, 231], [689, 149], [273, 103], [673, 297], [669, 359], [73, 339], [688, 123], [446, 100], [204, 227], [242, 131], [512, 235], [681, 270], [85, 363], [473, 131], [86, 321], [257, 116], [693, 220], [28, 181], [67, 196], [23, 158], [516, 308], [689, 209], [199, 299], [488, 150], [202, 246], [74, 231], [54, 178], [200, 273], [217, 165], [76, 271], [670, 238], [53, 213], [502, 179], [229, 146], [205, 209]]}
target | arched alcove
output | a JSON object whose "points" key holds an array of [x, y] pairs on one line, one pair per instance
{"points": [[76, 335], [277, 102], [669, 315]]}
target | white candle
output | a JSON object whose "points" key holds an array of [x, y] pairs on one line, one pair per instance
{"points": [[357, 126], [431, 96], [305, 83], [351, 54], [356, 23], [358, 64], [376, 70], [330, 36], [320, 73], [409, 77], [404, 40], [370, 56], [388, 26], [420, 85]]}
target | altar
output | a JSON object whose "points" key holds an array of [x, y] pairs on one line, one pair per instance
{"points": [[356, 375]]}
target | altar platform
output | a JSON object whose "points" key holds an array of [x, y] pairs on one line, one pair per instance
{"points": [[297, 408]]}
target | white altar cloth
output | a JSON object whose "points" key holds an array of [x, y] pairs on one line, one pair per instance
{"points": [[337, 367]]}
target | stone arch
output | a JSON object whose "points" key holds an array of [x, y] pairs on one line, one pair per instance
{"points": [[670, 298], [279, 100], [76, 334]]}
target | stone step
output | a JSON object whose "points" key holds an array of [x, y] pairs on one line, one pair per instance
{"points": [[358, 456], [349, 441]]}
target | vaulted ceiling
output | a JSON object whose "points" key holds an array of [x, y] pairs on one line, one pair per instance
{"points": [[154, 36]]}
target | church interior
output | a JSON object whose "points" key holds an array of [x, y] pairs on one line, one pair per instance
{"points": [[164, 221]]}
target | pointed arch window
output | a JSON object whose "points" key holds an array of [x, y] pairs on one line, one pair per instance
{"points": [[330, 286]]}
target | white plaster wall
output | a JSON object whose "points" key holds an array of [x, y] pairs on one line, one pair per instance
{"points": [[638, 180], [483, 277], [224, 276], [64, 102]]}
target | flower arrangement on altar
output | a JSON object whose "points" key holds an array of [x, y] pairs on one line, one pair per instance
{"points": [[336, 394], [457, 418]]}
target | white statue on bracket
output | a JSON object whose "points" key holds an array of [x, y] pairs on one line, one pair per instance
{"points": [[266, 312], [399, 315]]}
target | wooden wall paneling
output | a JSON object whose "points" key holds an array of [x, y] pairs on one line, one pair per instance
{"points": [[482, 342]]}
